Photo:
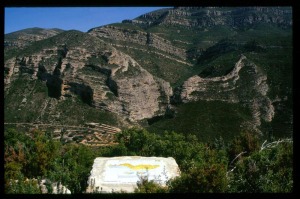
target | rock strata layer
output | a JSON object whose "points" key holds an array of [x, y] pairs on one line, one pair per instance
{"points": [[102, 77], [245, 84]]}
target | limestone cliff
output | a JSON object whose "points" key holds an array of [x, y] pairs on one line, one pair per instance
{"points": [[102, 76], [138, 37], [136, 93], [245, 84], [211, 16], [121, 74]]}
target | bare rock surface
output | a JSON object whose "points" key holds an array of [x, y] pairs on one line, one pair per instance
{"points": [[138, 37], [116, 83], [251, 90]]}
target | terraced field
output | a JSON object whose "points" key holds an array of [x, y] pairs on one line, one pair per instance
{"points": [[91, 134]]}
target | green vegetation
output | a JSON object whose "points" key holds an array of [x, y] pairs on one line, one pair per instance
{"points": [[207, 137], [206, 119], [71, 110], [67, 38], [269, 171], [213, 168], [127, 26], [170, 70], [102, 60], [37, 106], [277, 64], [17, 110], [41, 157]]}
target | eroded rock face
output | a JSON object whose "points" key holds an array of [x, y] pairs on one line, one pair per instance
{"points": [[114, 82], [23, 38], [138, 37], [211, 16], [137, 92], [118, 174], [198, 84], [250, 89]]}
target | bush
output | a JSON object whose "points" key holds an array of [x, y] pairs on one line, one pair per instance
{"points": [[268, 170], [245, 142], [146, 186], [203, 179]]}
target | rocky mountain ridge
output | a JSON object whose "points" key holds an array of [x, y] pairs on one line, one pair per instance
{"points": [[138, 37], [23, 38], [141, 70], [133, 91], [211, 16], [231, 88]]}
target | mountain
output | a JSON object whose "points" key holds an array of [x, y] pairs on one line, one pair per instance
{"points": [[24, 37], [213, 71]]}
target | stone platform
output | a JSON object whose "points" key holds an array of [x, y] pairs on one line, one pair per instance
{"points": [[121, 174]]}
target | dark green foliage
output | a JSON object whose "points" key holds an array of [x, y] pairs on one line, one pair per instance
{"points": [[199, 163], [95, 60], [146, 186], [269, 170], [253, 46], [204, 168], [247, 142], [205, 119], [277, 64], [72, 167], [21, 185], [13, 100], [213, 50], [206, 179], [222, 47], [43, 157], [186, 149]]}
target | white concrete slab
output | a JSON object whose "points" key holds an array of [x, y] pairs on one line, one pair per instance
{"points": [[118, 174]]}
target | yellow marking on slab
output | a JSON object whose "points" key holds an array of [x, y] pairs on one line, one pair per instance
{"points": [[139, 166]]}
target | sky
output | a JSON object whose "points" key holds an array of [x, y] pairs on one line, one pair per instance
{"points": [[68, 18]]}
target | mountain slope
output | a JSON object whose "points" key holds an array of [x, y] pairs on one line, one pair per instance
{"points": [[74, 64], [207, 71], [25, 37]]}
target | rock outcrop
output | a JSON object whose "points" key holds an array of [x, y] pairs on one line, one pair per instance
{"points": [[127, 68], [102, 77], [250, 89], [138, 37], [212, 16], [23, 38], [138, 95]]}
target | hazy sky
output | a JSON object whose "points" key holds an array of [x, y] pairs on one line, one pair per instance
{"points": [[67, 18]]}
